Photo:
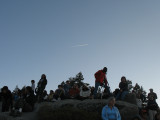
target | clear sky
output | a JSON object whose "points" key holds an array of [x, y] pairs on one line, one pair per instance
{"points": [[63, 37]]}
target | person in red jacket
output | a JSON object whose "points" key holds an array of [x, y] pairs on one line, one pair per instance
{"points": [[101, 80]]}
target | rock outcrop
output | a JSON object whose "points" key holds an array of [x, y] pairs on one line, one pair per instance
{"points": [[127, 110]]}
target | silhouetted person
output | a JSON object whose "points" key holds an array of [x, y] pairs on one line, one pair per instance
{"points": [[101, 80], [60, 93], [33, 85], [152, 108], [74, 92], [67, 87], [123, 85], [6, 99], [41, 86], [152, 94], [25, 102]]}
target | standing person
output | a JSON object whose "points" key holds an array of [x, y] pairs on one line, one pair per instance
{"points": [[41, 86], [152, 108], [67, 87], [101, 80], [110, 112], [33, 85], [6, 99], [123, 85], [152, 94]]}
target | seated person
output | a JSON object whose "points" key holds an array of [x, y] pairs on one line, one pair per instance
{"points": [[6, 99], [60, 93], [74, 92], [25, 102], [105, 94], [84, 92], [45, 95], [50, 96], [123, 85], [110, 111]]}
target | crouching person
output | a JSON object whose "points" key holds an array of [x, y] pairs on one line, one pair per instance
{"points": [[25, 102], [84, 92], [110, 112]]}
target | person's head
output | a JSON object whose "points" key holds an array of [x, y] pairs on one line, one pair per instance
{"points": [[123, 79], [43, 76], [32, 81], [151, 90], [67, 82], [45, 92], [111, 101], [59, 86], [4, 89], [28, 90], [105, 69], [51, 92]]}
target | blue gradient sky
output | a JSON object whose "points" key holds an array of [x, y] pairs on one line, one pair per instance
{"points": [[38, 36]]}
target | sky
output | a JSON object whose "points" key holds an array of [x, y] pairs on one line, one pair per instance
{"points": [[63, 37]]}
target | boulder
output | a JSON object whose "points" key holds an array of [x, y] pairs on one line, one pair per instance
{"points": [[127, 110], [131, 98]]}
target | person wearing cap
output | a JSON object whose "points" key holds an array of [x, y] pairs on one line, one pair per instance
{"points": [[101, 80], [152, 94], [110, 112]]}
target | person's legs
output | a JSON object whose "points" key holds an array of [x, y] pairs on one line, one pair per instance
{"points": [[118, 95], [97, 84], [3, 106], [124, 93], [40, 97], [151, 112], [154, 114]]}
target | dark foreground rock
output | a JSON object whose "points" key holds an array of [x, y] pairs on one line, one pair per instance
{"points": [[127, 110]]}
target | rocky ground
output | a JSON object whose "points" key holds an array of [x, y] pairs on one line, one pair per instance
{"points": [[127, 110]]}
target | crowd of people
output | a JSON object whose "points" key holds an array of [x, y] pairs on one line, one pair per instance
{"points": [[24, 100]]}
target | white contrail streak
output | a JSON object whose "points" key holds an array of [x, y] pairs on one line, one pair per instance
{"points": [[81, 45]]}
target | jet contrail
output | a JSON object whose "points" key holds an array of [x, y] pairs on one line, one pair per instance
{"points": [[81, 45]]}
